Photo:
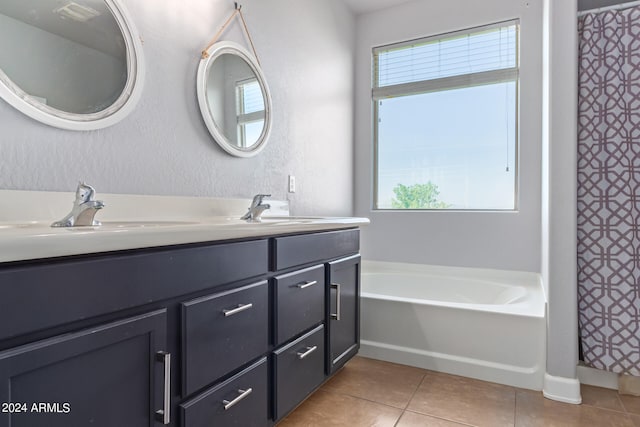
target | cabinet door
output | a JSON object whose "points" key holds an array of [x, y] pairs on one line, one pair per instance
{"points": [[103, 376], [344, 311]]}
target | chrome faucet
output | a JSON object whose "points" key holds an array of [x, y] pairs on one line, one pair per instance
{"points": [[256, 209], [84, 208]]}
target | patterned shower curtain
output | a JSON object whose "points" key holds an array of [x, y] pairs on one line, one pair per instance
{"points": [[609, 190]]}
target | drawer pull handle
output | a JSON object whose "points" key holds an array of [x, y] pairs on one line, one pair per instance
{"points": [[243, 393], [164, 415], [306, 284], [238, 309], [309, 350], [336, 315]]}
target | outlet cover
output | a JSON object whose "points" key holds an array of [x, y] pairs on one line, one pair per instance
{"points": [[292, 184]]}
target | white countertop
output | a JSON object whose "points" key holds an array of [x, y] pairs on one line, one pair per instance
{"points": [[132, 221]]}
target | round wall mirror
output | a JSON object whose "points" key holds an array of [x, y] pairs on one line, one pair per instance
{"points": [[72, 64], [234, 99]]}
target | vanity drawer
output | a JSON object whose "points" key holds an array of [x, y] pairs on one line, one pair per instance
{"points": [[106, 283], [299, 300], [221, 332], [303, 249], [240, 401], [299, 369]]}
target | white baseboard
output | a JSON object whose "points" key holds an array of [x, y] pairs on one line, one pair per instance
{"points": [[516, 376], [597, 377], [562, 389]]}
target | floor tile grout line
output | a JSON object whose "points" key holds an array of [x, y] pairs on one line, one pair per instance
{"points": [[360, 398], [398, 420], [424, 375], [461, 423], [404, 410], [622, 403], [515, 406], [624, 411], [368, 400], [606, 409]]}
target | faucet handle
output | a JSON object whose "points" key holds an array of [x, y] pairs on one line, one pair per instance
{"points": [[257, 199], [84, 192]]}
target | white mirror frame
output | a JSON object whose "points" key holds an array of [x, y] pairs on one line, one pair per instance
{"points": [[125, 103], [214, 51]]}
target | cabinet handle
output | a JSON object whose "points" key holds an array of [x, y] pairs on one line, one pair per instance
{"points": [[336, 315], [164, 415], [238, 309], [243, 393], [309, 350], [306, 284]]}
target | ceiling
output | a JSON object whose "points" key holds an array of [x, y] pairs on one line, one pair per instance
{"points": [[364, 6]]}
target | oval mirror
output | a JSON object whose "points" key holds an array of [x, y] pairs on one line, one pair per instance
{"points": [[234, 99], [72, 64]]}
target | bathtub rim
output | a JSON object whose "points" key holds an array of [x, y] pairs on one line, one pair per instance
{"points": [[535, 306]]}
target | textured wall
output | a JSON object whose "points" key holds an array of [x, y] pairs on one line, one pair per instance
{"points": [[306, 48], [505, 240]]}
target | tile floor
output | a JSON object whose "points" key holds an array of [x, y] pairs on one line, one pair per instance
{"points": [[369, 392]]}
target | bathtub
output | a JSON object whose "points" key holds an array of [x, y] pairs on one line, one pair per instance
{"points": [[484, 324]]}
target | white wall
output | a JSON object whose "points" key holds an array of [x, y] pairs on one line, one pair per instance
{"points": [[508, 240], [559, 229], [306, 48]]}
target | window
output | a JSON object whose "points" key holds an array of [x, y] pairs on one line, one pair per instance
{"points": [[445, 120], [250, 114]]}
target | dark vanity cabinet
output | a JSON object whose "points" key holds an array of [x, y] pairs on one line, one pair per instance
{"points": [[343, 279], [109, 375], [211, 334]]}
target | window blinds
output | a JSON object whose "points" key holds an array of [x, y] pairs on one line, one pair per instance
{"points": [[473, 57]]}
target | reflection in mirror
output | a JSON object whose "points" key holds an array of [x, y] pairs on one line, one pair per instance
{"points": [[72, 64], [234, 99]]}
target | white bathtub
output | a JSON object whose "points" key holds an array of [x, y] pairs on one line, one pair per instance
{"points": [[485, 324]]}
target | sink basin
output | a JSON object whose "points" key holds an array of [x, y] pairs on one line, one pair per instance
{"points": [[19, 225], [283, 220], [276, 220], [140, 224], [291, 218], [104, 225], [236, 221]]}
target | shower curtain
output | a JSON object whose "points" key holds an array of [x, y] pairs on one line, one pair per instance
{"points": [[609, 190]]}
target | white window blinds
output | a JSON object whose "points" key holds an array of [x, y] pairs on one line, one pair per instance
{"points": [[467, 58]]}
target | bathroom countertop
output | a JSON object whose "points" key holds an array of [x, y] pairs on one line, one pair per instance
{"points": [[164, 221]]}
